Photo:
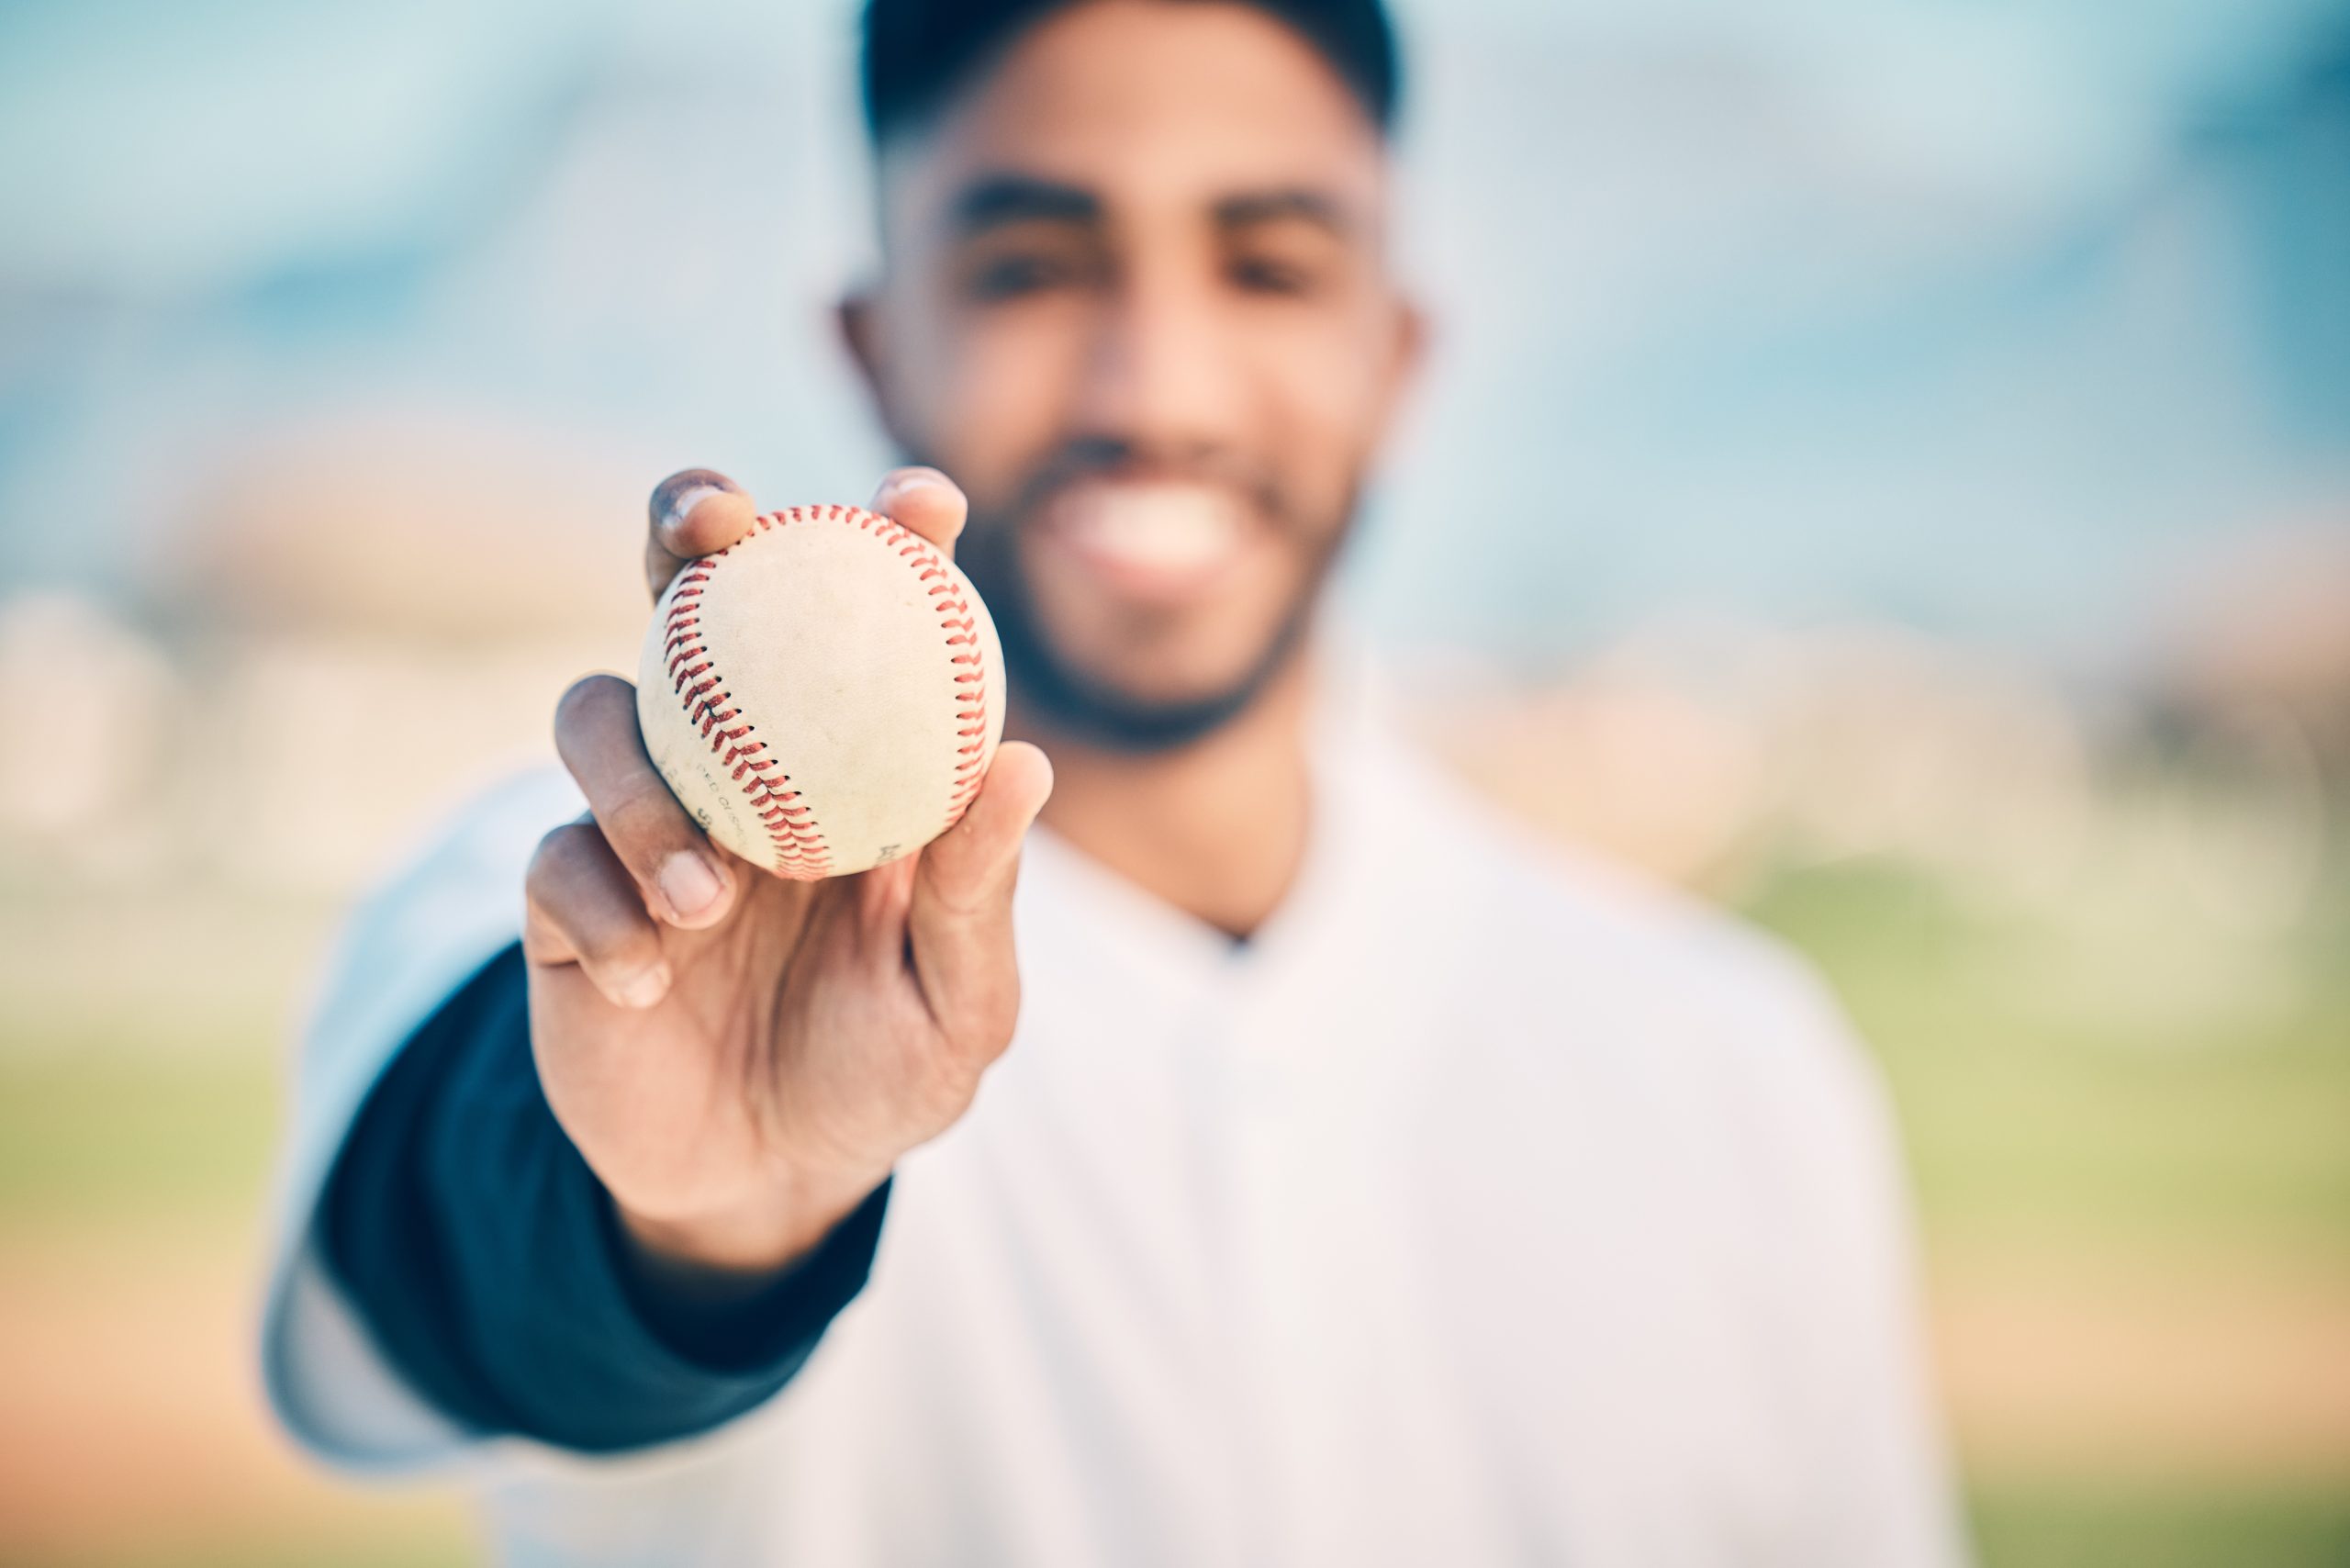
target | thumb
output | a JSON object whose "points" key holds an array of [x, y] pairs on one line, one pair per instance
{"points": [[959, 923]]}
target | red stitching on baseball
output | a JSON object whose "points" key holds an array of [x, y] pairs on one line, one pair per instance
{"points": [[955, 619], [800, 850]]}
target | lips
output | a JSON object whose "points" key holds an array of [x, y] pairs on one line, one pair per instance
{"points": [[1150, 540]]}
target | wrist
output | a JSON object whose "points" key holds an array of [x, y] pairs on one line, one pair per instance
{"points": [[737, 1247], [736, 1297]]}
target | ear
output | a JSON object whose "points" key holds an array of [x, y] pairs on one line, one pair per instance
{"points": [[1407, 353], [857, 319], [1411, 340]]}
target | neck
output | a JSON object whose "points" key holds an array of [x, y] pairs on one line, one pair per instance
{"points": [[1217, 828]]}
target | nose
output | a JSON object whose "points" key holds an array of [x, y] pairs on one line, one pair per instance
{"points": [[1165, 372]]}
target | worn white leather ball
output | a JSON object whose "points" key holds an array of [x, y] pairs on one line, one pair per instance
{"points": [[824, 695]]}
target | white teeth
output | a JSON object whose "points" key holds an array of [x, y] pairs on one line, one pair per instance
{"points": [[1171, 528]]}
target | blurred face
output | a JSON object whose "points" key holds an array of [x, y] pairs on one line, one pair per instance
{"points": [[1136, 302]]}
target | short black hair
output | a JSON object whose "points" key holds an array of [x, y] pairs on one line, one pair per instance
{"points": [[918, 53]]}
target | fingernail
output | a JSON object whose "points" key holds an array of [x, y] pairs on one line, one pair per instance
{"points": [[680, 506], [904, 484], [648, 987], [690, 883]]}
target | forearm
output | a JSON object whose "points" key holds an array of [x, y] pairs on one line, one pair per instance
{"points": [[490, 1267]]}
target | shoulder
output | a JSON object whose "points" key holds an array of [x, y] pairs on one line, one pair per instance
{"points": [[1629, 967]]}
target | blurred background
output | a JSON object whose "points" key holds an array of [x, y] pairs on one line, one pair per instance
{"points": [[1950, 409]]}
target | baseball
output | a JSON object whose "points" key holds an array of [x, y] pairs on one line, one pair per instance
{"points": [[823, 696]]}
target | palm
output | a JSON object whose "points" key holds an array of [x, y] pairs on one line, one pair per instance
{"points": [[795, 1035]]}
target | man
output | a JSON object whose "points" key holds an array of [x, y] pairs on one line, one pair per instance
{"points": [[1361, 1184]]}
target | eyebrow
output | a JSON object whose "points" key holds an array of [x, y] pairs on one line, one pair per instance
{"points": [[1312, 206], [996, 201], [993, 201]]}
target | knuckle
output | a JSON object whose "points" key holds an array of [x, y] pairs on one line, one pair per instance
{"points": [[588, 696], [643, 815], [556, 861], [988, 1017], [540, 947], [1002, 1017], [618, 947]]}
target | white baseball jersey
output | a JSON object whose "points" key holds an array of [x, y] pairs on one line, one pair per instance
{"points": [[1487, 1207]]}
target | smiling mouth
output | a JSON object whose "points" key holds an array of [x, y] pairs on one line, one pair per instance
{"points": [[1150, 539]]}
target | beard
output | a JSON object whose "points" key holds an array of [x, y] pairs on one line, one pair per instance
{"points": [[1077, 701]]}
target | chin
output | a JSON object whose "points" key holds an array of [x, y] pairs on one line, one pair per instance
{"points": [[1144, 614], [1126, 701]]}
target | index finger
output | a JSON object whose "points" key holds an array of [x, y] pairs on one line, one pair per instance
{"points": [[694, 513]]}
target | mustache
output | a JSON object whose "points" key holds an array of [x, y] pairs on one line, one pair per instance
{"points": [[1101, 458]]}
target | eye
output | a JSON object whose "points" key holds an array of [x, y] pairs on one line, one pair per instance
{"points": [[1009, 270], [1010, 276], [1271, 275]]}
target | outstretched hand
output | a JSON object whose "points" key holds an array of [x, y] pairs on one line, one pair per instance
{"points": [[742, 1058]]}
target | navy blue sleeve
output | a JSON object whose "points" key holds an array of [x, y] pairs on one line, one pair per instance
{"points": [[485, 1256]]}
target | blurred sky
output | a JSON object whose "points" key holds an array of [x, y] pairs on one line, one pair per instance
{"points": [[2001, 317]]}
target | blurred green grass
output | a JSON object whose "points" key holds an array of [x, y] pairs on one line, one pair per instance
{"points": [[148, 1030], [108, 1133], [2031, 1120], [2093, 1526]]}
